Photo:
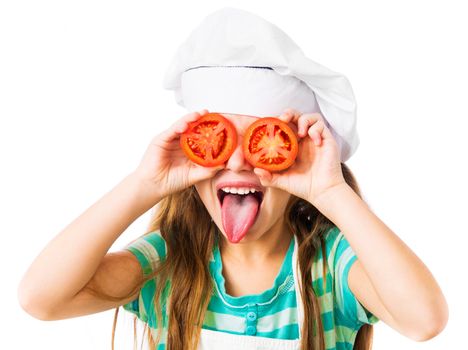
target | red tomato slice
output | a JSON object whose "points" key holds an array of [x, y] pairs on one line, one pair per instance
{"points": [[269, 143], [210, 140]]}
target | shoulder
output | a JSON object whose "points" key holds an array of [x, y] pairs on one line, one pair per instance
{"points": [[149, 240], [335, 244], [332, 236], [332, 245], [340, 258], [149, 249], [333, 253]]}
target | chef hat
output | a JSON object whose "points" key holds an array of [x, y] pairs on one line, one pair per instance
{"points": [[236, 62]]}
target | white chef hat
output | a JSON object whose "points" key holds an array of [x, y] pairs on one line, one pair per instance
{"points": [[237, 62]]}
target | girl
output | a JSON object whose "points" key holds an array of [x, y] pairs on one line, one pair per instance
{"points": [[314, 270]]}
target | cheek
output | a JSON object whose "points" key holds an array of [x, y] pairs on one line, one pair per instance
{"points": [[204, 191], [275, 202]]}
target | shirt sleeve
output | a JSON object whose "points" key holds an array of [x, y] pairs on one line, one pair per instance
{"points": [[340, 259], [149, 249]]}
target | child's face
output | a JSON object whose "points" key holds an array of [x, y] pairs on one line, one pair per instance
{"points": [[272, 207]]}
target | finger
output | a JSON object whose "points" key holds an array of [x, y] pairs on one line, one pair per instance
{"points": [[201, 173], [182, 124], [205, 169], [166, 136], [289, 114], [305, 121], [315, 132], [191, 117], [316, 138], [298, 115], [263, 174], [171, 133], [327, 132], [315, 116], [177, 128]]}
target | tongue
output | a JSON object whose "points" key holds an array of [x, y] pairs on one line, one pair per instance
{"points": [[238, 214]]}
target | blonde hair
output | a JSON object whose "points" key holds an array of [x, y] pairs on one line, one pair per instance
{"points": [[186, 268]]}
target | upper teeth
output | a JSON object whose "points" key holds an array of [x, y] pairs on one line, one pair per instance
{"points": [[242, 190]]}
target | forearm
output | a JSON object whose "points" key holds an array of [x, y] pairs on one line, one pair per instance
{"points": [[404, 284], [70, 260]]}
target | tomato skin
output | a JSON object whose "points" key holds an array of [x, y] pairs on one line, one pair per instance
{"points": [[270, 144], [210, 140]]}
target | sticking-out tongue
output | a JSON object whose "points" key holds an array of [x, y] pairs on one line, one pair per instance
{"points": [[238, 214]]}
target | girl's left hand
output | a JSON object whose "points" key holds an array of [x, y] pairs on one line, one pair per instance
{"points": [[317, 167]]}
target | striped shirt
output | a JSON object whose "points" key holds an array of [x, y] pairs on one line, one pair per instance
{"points": [[272, 313]]}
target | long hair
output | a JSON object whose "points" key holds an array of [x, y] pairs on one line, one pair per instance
{"points": [[186, 269]]}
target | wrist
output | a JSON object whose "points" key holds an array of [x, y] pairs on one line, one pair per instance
{"points": [[331, 199], [144, 189]]}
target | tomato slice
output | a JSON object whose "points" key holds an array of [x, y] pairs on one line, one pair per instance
{"points": [[210, 140], [269, 143]]}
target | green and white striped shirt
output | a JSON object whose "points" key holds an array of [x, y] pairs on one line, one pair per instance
{"points": [[272, 313]]}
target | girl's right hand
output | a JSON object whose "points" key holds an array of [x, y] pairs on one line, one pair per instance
{"points": [[164, 166]]}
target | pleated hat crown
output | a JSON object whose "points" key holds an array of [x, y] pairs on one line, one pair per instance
{"points": [[237, 62]]}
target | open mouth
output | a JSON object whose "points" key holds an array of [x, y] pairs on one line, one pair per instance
{"points": [[257, 194], [239, 210]]}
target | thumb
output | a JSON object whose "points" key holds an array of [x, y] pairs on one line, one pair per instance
{"points": [[211, 171], [201, 173], [266, 178]]}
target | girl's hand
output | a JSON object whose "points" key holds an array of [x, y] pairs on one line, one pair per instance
{"points": [[317, 167], [164, 166]]}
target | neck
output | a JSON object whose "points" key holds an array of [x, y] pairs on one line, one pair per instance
{"points": [[271, 245]]}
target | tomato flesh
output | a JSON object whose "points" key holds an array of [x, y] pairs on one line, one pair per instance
{"points": [[269, 143], [210, 140]]}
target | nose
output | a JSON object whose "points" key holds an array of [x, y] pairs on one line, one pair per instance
{"points": [[237, 161]]}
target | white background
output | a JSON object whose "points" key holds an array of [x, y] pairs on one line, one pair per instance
{"points": [[81, 96]]}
